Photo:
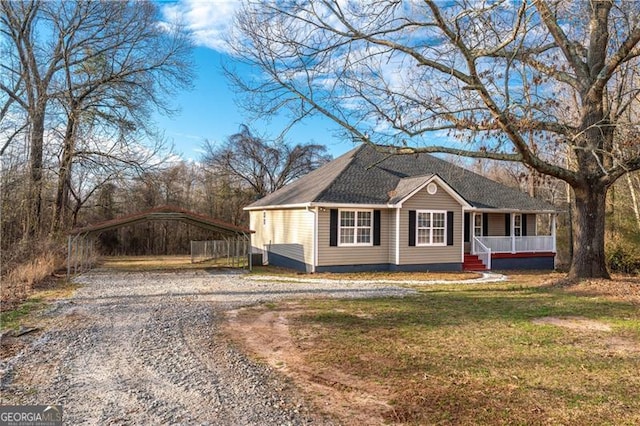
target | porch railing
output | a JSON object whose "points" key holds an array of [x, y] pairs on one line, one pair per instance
{"points": [[532, 244], [482, 251]]}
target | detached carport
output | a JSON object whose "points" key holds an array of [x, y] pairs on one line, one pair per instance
{"points": [[80, 241]]}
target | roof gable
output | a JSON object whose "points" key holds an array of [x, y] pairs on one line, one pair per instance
{"points": [[408, 187]]}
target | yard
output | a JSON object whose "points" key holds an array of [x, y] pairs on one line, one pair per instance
{"points": [[521, 352]]}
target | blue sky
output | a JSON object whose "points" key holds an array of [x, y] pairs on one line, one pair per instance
{"points": [[209, 111]]}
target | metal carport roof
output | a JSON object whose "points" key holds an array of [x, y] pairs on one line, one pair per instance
{"points": [[165, 213]]}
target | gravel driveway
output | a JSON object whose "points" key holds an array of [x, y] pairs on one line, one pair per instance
{"points": [[145, 348]]}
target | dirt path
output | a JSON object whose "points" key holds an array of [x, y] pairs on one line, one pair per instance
{"points": [[146, 348]]}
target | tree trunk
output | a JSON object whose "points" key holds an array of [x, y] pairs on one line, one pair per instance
{"points": [[64, 176], [589, 231], [35, 174]]}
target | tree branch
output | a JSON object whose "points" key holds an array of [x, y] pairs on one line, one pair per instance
{"points": [[568, 48]]}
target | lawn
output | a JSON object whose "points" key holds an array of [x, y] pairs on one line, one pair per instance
{"points": [[515, 353]]}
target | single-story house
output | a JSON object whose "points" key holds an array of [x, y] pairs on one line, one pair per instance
{"points": [[368, 210]]}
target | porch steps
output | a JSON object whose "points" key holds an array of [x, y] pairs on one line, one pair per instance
{"points": [[473, 263]]}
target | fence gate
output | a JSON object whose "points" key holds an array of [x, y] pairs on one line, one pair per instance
{"points": [[81, 254], [232, 253]]}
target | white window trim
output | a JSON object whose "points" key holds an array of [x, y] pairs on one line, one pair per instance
{"points": [[515, 226], [355, 231], [474, 226], [431, 244]]}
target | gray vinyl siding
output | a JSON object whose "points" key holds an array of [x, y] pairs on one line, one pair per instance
{"points": [[531, 225], [496, 225], [352, 255], [287, 233], [441, 200]]}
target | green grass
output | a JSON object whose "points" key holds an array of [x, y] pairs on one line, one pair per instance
{"points": [[26, 311], [472, 355], [12, 319]]}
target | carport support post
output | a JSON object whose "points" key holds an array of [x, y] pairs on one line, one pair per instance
{"points": [[68, 257], [75, 257], [91, 248], [81, 254], [247, 241]]}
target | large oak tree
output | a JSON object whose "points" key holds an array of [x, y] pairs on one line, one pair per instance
{"points": [[501, 80]]}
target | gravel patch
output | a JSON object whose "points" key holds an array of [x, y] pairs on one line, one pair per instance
{"points": [[146, 348], [486, 277]]}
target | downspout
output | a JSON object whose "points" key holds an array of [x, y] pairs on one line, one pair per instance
{"points": [[315, 238]]}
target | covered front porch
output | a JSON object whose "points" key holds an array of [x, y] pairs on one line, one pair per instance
{"points": [[509, 240]]}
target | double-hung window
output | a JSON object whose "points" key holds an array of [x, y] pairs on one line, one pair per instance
{"points": [[431, 228], [477, 225], [355, 227], [517, 225]]}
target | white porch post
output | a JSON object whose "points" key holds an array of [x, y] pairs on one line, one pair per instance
{"points": [[513, 232], [472, 233], [553, 230], [397, 238]]}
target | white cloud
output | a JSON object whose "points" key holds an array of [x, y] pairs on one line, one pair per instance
{"points": [[208, 21]]}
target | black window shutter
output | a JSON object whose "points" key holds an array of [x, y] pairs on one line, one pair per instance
{"points": [[449, 228], [467, 224], [333, 227], [524, 225], [507, 224], [412, 227], [376, 227], [485, 224]]}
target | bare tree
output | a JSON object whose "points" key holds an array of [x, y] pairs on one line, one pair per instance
{"points": [[28, 85], [489, 75], [98, 64], [264, 166]]}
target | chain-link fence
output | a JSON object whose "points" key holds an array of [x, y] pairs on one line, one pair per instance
{"points": [[81, 254], [232, 253]]}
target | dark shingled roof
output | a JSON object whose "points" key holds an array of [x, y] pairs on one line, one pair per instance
{"points": [[366, 175]]}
